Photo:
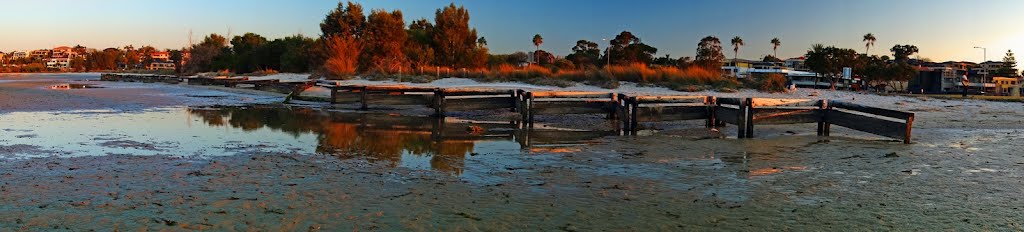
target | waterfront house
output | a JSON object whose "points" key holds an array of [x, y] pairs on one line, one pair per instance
{"points": [[58, 63], [19, 55], [160, 66], [160, 56], [1008, 86], [40, 54]]}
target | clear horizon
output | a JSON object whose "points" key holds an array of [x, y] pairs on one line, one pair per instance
{"points": [[943, 30]]}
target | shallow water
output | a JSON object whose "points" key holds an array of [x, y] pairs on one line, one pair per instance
{"points": [[273, 167]]}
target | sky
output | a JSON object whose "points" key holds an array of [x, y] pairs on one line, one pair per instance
{"points": [[941, 29]]}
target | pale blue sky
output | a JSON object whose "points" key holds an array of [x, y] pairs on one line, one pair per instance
{"points": [[942, 29]]}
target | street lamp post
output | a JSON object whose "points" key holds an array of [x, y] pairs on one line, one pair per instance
{"points": [[984, 57], [608, 54]]}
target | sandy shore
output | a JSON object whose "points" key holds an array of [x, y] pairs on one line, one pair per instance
{"points": [[962, 172]]}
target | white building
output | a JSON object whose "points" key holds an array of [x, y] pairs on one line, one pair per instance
{"points": [[19, 55], [58, 63]]}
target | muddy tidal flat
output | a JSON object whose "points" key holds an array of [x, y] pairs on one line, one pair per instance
{"points": [[135, 156]]}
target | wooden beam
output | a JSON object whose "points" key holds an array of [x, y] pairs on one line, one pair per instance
{"points": [[399, 99], [873, 125], [762, 102], [483, 103], [558, 94], [727, 115], [871, 110], [775, 116], [477, 92], [571, 107], [729, 101], [671, 113], [671, 99]]}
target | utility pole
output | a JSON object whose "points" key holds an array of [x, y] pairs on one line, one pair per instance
{"points": [[984, 56]]}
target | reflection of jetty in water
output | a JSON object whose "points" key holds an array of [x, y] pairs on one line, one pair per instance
{"points": [[387, 137]]}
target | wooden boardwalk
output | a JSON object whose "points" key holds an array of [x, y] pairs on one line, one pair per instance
{"points": [[744, 113], [630, 110]]}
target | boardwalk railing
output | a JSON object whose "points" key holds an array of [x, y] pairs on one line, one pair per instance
{"points": [[563, 103], [636, 109], [884, 122]]}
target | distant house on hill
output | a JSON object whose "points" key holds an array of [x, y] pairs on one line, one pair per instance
{"points": [[58, 63], [160, 65], [19, 55], [160, 56], [40, 54]]}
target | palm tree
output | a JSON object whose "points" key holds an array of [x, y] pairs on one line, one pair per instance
{"points": [[869, 40], [737, 42], [537, 41], [775, 47]]}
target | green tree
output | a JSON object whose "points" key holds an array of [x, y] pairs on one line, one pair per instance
{"points": [[296, 54], [1009, 68], [869, 40], [419, 46], [830, 61], [737, 42], [206, 55], [902, 53], [482, 42], [340, 33], [347, 20], [384, 41], [709, 53], [627, 48], [775, 47], [249, 52], [537, 41], [455, 42], [585, 53]]}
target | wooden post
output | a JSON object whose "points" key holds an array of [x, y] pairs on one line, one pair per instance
{"points": [[621, 109], [634, 121], [709, 102], [529, 108], [515, 105], [822, 116], [741, 119], [750, 118], [439, 103], [910, 125], [362, 98], [614, 103], [334, 95]]}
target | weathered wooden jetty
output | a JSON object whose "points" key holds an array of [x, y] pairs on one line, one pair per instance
{"points": [[744, 113], [632, 111], [269, 85]]}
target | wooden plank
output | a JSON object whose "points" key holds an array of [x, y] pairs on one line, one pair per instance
{"points": [[871, 110], [727, 115], [761, 102], [398, 99], [477, 92], [775, 116], [873, 125], [400, 88], [671, 113], [571, 107], [671, 99], [556, 94], [483, 103], [729, 101]]}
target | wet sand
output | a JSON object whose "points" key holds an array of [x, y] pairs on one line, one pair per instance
{"points": [[962, 173]]}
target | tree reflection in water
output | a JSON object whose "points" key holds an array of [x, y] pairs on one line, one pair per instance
{"points": [[374, 137]]}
